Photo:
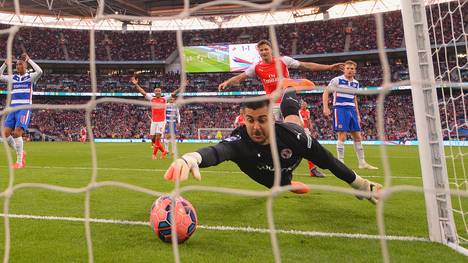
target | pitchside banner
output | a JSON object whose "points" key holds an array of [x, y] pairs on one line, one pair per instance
{"points": [[220, 58]]}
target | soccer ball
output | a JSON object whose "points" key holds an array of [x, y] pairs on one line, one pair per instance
{"points": [[161, 218]]}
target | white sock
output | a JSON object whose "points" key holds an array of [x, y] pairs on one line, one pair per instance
{"points": [[11, 142], [166, 145], [359, 152], [340, 151], [19, 149]]}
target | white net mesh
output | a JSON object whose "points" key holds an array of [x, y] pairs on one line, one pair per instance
{"points": [[447, 31], [449, 67]]}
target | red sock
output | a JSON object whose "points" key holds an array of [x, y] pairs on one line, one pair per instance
{"points": [[155, 149], [311, 165], [159, 145]]}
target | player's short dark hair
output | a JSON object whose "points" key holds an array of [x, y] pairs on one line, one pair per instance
{"points": [[264, 42], [256, 104]]}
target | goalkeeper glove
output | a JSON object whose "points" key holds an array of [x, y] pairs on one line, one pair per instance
{"points": [[180, 168], [371, 188]]}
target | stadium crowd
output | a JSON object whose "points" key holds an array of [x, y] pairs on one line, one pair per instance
{"points": [[117, 120], [316, 37], [113, 120]]}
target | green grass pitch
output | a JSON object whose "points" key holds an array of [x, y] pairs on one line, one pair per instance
{"points": [[68, 164]]}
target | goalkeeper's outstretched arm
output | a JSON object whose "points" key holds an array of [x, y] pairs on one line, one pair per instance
{"points": [[204, 157]]}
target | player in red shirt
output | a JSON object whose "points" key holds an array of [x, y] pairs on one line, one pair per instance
{"points": [[239, 121], [305, 116], [83, 133], [266, 71], [158, 116]]}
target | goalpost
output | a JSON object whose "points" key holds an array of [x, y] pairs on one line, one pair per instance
{"points": [[440, 218]]}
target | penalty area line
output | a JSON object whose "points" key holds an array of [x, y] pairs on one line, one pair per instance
{"points": [[224, 228]]}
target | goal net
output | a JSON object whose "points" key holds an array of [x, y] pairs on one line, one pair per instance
{"points": [[436, 42], [447, 30]]}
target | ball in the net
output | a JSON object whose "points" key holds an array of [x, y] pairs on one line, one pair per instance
{"points": [[184, 218]]}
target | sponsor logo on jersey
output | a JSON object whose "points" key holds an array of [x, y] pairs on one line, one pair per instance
{"points": [[232, 138]]}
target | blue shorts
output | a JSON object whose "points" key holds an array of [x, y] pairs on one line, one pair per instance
{"points": [[345, 119], [20, 118], [168, 128]]}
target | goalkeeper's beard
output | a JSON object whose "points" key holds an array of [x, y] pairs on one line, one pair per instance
{"points": [[258, 136]]}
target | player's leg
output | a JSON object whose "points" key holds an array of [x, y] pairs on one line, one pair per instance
{"points": [[340, 145], [159, 133], [340, 126], [153, 140], [290, 111], [359, 149], [9, 138], [313, 169], [23, 118], [325, 160], [10, 122], [20, 153], [167, 137]]}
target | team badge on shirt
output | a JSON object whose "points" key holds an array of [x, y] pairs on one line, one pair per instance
{"points": [[286, 153]]}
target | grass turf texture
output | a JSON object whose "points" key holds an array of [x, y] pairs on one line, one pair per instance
{"points": [[68, 164]]}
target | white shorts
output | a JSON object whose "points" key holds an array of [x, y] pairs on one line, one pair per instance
{"points": [[157, 127]]}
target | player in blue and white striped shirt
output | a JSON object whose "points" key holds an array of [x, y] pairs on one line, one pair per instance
{"points": [[172, 120], [17, 122], [346, 114]]}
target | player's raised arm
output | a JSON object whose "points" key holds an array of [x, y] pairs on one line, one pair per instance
{"points": [[236, 79], [134, 81], [176, 92], [320, 67], [37, 70], [2, 70]]}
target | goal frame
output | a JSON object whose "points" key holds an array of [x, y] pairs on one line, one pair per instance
{"points": [[437, 196]]}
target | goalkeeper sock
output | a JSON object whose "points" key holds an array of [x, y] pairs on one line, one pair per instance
{"points": [[19, 149], [340, 151], [359, 152], [11, 142]]}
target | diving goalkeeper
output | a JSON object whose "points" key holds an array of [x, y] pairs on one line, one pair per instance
{"points": [[249, 148]]}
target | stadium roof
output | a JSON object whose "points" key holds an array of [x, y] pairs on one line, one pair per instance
{"points": [[152, 15], [88, 8]]}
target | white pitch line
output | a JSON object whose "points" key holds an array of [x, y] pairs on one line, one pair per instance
{"points": [[162, 170], [225, 228]]}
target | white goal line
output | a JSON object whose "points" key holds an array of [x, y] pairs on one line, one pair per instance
{"points": [[225, 228]]}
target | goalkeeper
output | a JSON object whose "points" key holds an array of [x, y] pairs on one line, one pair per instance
{"points": [[249, 148]]}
